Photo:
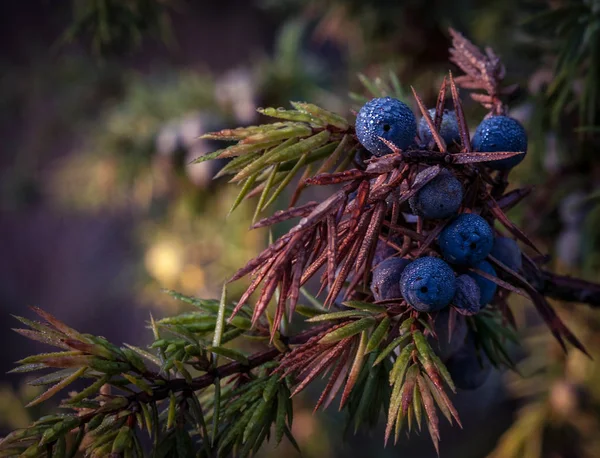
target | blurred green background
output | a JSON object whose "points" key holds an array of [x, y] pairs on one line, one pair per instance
{"points": [[101, 104]]}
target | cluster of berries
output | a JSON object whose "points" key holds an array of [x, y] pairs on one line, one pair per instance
{"points": [[394, 121], [430, 284], [433, 284]]}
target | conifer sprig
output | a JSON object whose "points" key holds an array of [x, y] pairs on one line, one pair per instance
{"points": [[129, 391], [197, 394], [267, 157]]}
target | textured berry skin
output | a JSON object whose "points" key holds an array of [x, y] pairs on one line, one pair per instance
{"points": [[448, 344], [440, 198], [384, 251], [486, 287], [467, 240], [467, 296], [507, 252], [501, 133], [428, 284], [386, 278], [448, 129], [468, 367], [388, 118]]}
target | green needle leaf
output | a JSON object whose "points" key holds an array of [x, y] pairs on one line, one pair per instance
{"points": [[365, 306], [290, 130], [144, 354], [220, 324], [440, 399], [141, 384], [268, 185], [401, 363], [240, 133], [53, 377], [77, 442], [236, 150], [238, 163], [423, 347], [282, 400], [349, 330], [378, 335], [300, 148], [441, 367], [326, 116], [89, 391], [290, 175], [260, 163], [308, 312], [243, 192], [417, 406], [56, 388], [399, 93], [172, 410], [122, 440], [391, 346], [147, 418], [312, 299], [367, 395], [230, 354], [369, 85], [357, 365], [337, 315], [360, 99], [207, 157], [291, 115]]}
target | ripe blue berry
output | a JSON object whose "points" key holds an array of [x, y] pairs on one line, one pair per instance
{"points": [[507, 252], [448, 129], [501, 133], [386, 278], [387, 118], [384, 251], [448, 344], [467, 240], [486, 287], [440, 198], [469, 368], [428, 284], [467, 296]]}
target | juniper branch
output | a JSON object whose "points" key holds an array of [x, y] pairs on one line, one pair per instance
{"points": [[569, 289], [162, 391]]}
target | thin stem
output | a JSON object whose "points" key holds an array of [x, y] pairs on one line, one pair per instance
{"points": [[570, 289], [181, 385]]}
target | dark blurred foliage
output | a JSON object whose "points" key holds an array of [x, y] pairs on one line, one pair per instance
{"points": [[116, 26], [564, 119]]}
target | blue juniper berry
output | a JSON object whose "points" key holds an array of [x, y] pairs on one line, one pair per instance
{"points": [[388, 118], [501, 133], [448, 129], [440, 198], [467, 240], [384, 250], [486, 287], [507, 251], [467, 299], [469, 367], [447, 344], [428, 284], [386, 278]]}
